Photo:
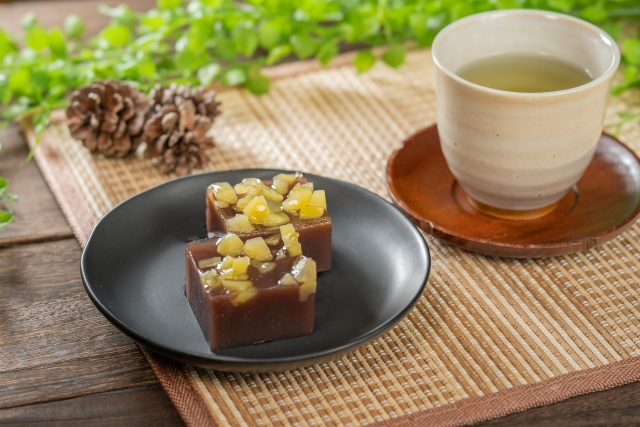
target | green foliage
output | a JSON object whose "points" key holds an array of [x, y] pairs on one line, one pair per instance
{"points": [[258, 84], [228, 41], [364, 60], [74, 27], [394, 55], [631, 51], [6, 216]]}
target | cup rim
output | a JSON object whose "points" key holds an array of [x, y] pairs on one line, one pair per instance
{"points": [[537, 13]]}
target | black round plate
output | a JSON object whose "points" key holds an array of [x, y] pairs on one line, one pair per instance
{"points": [[133, 268]]}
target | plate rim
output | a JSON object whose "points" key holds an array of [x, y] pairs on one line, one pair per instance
{"points": [[231, 363]]}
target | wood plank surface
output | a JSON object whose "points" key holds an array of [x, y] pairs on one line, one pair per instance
{"points": [[616, 407], [54, 343], [38, 217], [148, 406]]}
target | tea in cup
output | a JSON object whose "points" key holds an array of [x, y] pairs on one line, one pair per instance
{"points": [[521, 98]]}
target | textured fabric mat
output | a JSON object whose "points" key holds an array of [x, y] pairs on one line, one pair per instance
{"points": [[489, 336]]}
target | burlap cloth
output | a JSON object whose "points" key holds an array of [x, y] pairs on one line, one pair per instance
{"points": [[488, 337]]}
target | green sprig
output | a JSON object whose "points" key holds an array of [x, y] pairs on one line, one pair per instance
{"points": [[228, 42]]}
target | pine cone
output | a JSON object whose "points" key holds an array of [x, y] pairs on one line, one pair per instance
{"points": [[204, 101], [176, 129], [107, 117]]}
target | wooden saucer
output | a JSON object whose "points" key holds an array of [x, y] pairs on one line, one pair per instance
{"points": [[604, 203]]}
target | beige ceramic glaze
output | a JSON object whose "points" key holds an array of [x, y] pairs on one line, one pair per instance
{"points": [[521, 151]]}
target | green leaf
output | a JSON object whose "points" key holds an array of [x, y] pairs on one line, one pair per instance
{"points": [[631, 49], [510, 4], [368, 27], [152, 19], [561, 5], [116, 35], [596, 13], [196, 41], [3, 183], [460, 10], [224, 48], [618, 89], [40, 123], [234, 76], [364, 60], [301, 15], [436, 22], [6, 45], [14, 111], [74, 27], [333, 16], [304, 46], [187, 60], [181, 44], [269, 35], [278, 53], [146, 67], [120, 15], [169, 4], [418, 23], [624, 12], [36, 38], [29, 20], [327, 52], [208, 73], [348, 31], [258, 85], [394, 56], [245, 40], [630, 73], [212, 3], [614, 29], [5, 218], [19, 81], [57, 43], [5, 91]]}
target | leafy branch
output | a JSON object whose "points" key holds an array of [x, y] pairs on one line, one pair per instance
{"points": [[229, 42]]}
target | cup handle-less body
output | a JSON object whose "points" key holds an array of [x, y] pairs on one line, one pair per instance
{"points": [[520, 151]]}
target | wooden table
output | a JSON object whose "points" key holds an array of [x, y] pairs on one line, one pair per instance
{"points": [[62, 363]]}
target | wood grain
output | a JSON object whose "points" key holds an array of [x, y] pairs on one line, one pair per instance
{"points": [[619, 406], [38, 217], [54, 343], [147, 405]]}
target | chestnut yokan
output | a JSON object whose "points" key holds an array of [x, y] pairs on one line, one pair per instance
{"points": [[247, 290], [255, 208]]}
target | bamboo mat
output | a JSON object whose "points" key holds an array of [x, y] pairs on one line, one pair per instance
{"points": [[489, 336]]}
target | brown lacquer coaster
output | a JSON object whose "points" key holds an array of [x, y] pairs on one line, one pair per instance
{"points": [[604, 203]]}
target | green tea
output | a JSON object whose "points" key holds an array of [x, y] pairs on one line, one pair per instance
{"points": [[525, 73]]}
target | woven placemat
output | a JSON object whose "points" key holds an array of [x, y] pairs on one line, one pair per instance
{"points": [[489, 336]]}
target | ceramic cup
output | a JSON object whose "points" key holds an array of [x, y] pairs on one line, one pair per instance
{"points": [[520, 151]]}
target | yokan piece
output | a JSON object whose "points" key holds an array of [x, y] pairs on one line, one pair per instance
{"points": [[255, 208], [248, 292]]}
